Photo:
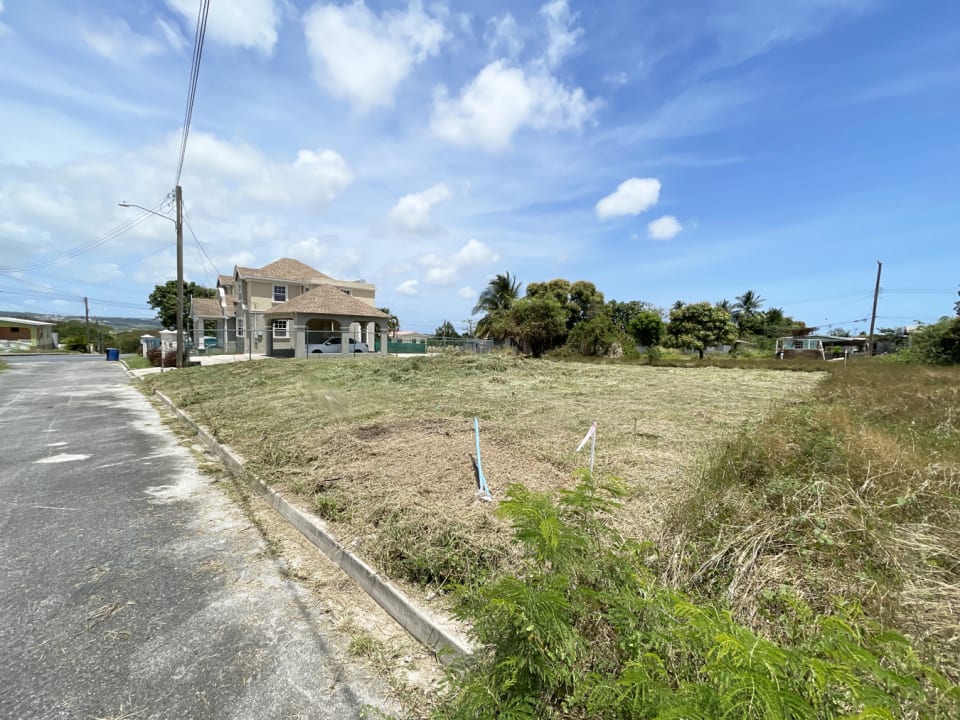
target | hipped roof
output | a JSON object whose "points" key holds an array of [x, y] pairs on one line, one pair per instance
{"points": [[328, 300], [284, 269]]}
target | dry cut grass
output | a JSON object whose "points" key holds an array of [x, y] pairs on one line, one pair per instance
{"points": [[382, 447]]}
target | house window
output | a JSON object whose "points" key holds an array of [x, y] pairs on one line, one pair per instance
{"points": [[280, 328], [279, 293], [239, 327]]}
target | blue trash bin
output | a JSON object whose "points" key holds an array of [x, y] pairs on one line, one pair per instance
{"points": [[113, 354]]}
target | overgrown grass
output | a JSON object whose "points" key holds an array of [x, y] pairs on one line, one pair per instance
{"points": [[4, 365], [855, 493], [584, 630], [136, 362]]}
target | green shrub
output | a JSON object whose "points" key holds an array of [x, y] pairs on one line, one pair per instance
{"points": [[584, 630]]}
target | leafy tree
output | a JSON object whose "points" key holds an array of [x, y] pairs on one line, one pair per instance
{"points": [[534, 323], [725, 305], [646, 328], [393, 323], [698, 326], [163, 299], [446, 330], [580, 300], [595, 336], [936, 344], [495, 300], [638, 320]]}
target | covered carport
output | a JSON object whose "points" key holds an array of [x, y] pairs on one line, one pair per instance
{"points": [[322, 312]]}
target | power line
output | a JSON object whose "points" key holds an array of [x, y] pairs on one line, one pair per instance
{"points": [[101, 239], [194, 75], [199, 244]]}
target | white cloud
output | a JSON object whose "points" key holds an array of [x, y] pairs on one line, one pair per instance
{"points": [[441, 275], [314, 179], [664, 228], [561, 34], [250, 24], [503, 35], [467, 292], [503, 98], [113, 39], [363, 58], [411, 214], [632, 197], [408, 288], [474, 253]]}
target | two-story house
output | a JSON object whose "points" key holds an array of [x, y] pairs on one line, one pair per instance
{"points": [[287, 307]]}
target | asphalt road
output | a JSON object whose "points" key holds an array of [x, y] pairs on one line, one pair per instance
{"points": [[130, 586]]}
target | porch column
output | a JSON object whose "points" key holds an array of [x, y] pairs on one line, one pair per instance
{"points": [[299, 337], [370, 334], [345, 338], [198, 333], [384, 338]]}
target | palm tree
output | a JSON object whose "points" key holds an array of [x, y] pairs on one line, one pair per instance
{"points": [[725, 305], [748, 304], [499, 294], [495, 300]]}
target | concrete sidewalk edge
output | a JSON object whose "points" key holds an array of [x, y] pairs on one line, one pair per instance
{"points": [[449, 647]]}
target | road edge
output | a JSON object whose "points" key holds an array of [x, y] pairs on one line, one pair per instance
{"points": [[448, 647]]}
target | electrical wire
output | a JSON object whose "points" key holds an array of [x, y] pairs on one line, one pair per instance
{"points": [[86, 247], [199, 244], [199, 34]]}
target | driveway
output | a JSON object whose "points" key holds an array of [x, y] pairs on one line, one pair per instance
{"points": [[129, 585]]}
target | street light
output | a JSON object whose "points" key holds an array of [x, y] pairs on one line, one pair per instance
{"points": [[178, 223]]}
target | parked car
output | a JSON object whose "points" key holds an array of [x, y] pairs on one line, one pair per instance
{"points": [[333, 345]]}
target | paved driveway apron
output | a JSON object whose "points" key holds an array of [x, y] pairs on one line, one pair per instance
{"points": [[129, 587]]}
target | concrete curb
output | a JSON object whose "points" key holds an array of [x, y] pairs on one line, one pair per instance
{"points": [[449, 647]]}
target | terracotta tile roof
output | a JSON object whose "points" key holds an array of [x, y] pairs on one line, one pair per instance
{"points": [[205, 307], [284, 269], [328, 300]]}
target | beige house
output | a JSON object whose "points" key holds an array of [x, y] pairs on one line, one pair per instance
{"points": [[288, 309]]}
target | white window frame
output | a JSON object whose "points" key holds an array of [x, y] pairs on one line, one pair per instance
{"points": [[284, 293], [277, 324], [239, 327]]}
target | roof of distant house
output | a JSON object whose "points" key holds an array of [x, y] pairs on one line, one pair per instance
{"points": [[224, 280], [328, 300], [205, 307], [284, 269], [24, 321]]}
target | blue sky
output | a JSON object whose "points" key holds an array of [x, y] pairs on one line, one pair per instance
{"points": [[683, 150]]}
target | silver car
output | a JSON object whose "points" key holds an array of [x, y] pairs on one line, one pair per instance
{"points": [[333, 345]]}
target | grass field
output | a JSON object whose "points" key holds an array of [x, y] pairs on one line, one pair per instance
{"points": [[382, 447]]}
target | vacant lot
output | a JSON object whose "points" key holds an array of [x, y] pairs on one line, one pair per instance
{"points": [[382, 447]]}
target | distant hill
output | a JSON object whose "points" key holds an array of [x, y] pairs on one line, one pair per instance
{"points": [[117, 323]]}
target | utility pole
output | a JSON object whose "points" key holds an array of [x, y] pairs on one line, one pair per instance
{"points": [[873, 315], [179, 223], [86, 314]]}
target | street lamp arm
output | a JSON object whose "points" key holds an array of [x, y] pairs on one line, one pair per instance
{"points": [[152, 212]]}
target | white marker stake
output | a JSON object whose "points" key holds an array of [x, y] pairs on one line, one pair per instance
{"points": [[591, 435]]}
